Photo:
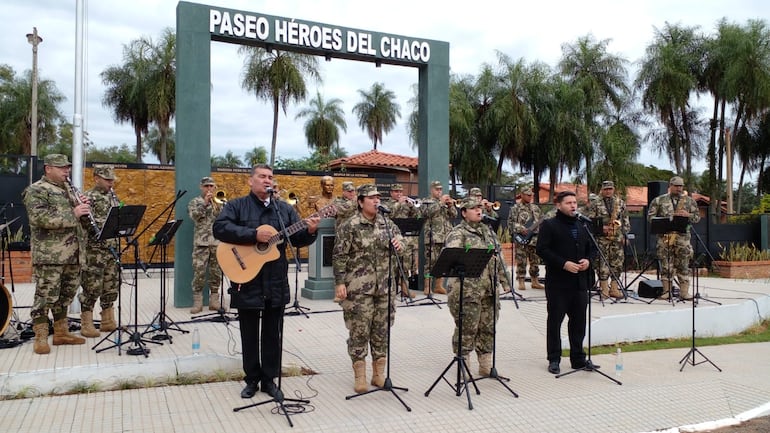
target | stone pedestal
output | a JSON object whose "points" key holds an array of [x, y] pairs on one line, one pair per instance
{"points": [[320, 282]]}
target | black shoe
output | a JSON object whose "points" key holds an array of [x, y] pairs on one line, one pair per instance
{"points": [[269, 388], [250, 389], [591, 366], [584, 365], [553, 367]]}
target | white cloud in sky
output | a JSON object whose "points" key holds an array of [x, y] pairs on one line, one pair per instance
{"points": [[534, 31]]}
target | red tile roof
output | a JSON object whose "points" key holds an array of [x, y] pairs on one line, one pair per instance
{"points": [[375, 158]]}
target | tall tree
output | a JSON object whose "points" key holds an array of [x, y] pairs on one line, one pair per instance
{"points": [[323, 124], [15, 108], [257, 155], [153, 145], [230, 160], [377, 112], [602, 77], [278, 77]]}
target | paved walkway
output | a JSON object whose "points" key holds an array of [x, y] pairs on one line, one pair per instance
{"points": [[654, 394]]}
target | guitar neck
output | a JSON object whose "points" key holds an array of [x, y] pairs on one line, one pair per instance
{"points": [[301, 224]]}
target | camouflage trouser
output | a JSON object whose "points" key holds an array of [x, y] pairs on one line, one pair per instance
{"points": [[431, 255], [478, 326], [613, 252], [675, 260], [55, 287], [205, 259], [366, 318], [99, 279], [411, 250], [526, 253]]}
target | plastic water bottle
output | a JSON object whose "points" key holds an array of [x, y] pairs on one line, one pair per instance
{"points": [[618, 363], [196, 342]]}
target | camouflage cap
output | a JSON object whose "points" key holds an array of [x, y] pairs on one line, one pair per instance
{"points": [[57, 160], [436, 184], [676, 181], [396, 187], [527, 190], [207, 180], [104, 171], [348, 186], [608, 184], [368, 190], [475, 191], [469, 203]]}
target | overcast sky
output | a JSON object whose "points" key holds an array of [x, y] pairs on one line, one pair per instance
{"points": [[533, 30]]}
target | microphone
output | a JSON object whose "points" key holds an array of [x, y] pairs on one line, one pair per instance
{"points": [[143, 265], [270, 191], [488, 219], [382, 209], [583, 218]]}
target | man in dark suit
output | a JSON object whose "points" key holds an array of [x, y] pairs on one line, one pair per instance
{"points": [[567, 250]]}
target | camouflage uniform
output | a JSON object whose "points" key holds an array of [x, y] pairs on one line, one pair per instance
{"points": [[438, 223], [411, 243], [674, 258], [58, 248], [345, 209], [611, 245], [479, 296], [520, 216], [204, 257], [100, 274], [360, 262]]}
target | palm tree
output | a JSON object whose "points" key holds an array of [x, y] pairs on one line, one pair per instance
{"points": [[669, 74], [159, 64], [255, 156], [601, 76], [377, 112], [278, 77], [229, 160], [153, 144], [15, 106], [462, 121], [324, 121]]}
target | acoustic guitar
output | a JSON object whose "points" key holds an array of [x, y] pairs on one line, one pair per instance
{"points": [[241, 263]]}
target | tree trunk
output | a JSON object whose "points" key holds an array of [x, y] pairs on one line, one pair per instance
{"points": [[275, 130]]}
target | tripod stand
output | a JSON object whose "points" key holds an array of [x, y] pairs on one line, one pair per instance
{"points": [[161, 322], [589, 365], [461, 263], [8, 314], [689, 358], [297, 309], [122, 222], [513, 291], [221, 315], [388, 385], [495, 308], [429, 277]]}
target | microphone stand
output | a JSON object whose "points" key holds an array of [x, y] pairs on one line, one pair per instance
{"points": [[589, 366], [429, 290], [278, 398], [297, 309], [388, 385]]}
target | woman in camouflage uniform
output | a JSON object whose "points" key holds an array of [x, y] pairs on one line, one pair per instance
{"points": [[361, 253], [480, 297]]}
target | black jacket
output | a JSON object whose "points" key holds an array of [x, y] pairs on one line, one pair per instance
{"points": [[556, 246], [237, 224]]}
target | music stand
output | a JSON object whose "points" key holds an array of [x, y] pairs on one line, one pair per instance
{"points": [[664, 225], [161, 322], [461, 263], [410, 227], [122, 221]]}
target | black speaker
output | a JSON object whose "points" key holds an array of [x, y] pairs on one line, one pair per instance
{"points": [[656, 188], [650, 288]]}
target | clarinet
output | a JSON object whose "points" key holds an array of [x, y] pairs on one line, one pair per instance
{"points": [[94, 229]]}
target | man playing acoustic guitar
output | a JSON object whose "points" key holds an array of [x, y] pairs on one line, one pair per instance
{"points": [[252, 224]]}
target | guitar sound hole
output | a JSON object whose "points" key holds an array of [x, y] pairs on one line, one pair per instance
{"points": [[262, 246]]}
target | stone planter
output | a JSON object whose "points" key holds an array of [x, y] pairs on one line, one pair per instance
{"points": [[22, 267], [748, 270]]}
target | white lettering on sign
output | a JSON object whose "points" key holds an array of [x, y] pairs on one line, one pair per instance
{"points": [[292, 32]]}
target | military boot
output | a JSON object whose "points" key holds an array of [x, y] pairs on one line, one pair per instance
{"points": [[520, 284], [378, 372], [485, 364], [87, 324], [438, 286], [604, 288], [405, 290], [684, 291], [61, 334], [108, 323], [666, 289], [615, 291], [359, 372], [536, 283], [40, 346], [214, 304], [197, 303]]}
